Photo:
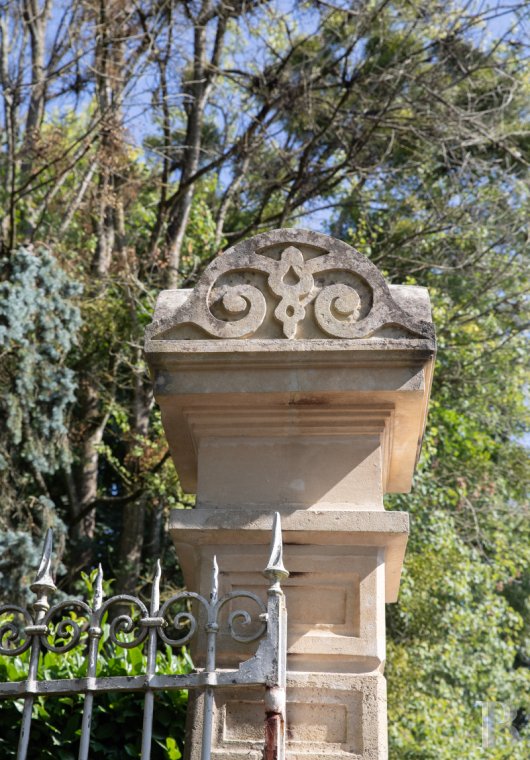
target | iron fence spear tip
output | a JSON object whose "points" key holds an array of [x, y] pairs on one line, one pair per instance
{"points": [[275, 569], [155, 589], [98, 590], [44, 579], [214, 593]]}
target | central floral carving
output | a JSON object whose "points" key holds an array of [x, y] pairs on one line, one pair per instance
{"points": [[292, 283]]}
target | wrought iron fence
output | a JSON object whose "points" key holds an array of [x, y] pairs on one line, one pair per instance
{"points": [[55, 629]]}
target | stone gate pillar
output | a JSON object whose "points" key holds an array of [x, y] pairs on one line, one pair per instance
{"points": [[292, 378]]}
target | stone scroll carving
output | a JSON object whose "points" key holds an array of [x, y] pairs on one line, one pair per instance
{"points": [[295, 282]]}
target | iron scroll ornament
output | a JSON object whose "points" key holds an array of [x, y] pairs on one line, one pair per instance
{"points": [[59, 632], [55, 628], [293, 283]]}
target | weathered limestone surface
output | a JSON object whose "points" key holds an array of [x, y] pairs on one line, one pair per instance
{"points": [[330, 715], [293, 378]]}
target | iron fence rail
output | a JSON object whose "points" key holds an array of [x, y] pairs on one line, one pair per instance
{"points": [[54, 629]]}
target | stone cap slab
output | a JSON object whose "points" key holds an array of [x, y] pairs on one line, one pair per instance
{"points": [[362, 529]]}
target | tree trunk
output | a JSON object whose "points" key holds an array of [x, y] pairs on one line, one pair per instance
{"points": [[133, 513], [202, 79], [109, 94], [36, 20], [83, 491]]}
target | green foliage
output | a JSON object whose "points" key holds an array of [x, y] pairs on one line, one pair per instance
{"points": [[38, 327], [117, 716], [453, 642], [39, 324], [458, 637], [461, 623], [116, 723], [452, 220]]}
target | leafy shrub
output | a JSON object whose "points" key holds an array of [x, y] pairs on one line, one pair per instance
{"points": [[117, 717]]}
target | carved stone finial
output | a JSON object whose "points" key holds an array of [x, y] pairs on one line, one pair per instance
{"points": [[289, 284]]}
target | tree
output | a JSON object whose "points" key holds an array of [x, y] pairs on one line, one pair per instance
{"points": [[401, 128]]}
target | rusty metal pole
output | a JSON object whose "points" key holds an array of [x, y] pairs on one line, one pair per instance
{"points": [[275, 718], [212, 629]]}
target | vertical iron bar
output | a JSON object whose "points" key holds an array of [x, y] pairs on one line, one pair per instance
{"points": [[275, 696], [25, 727], [95, 634], [212, 628], [147, 728], [42, 586]]}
